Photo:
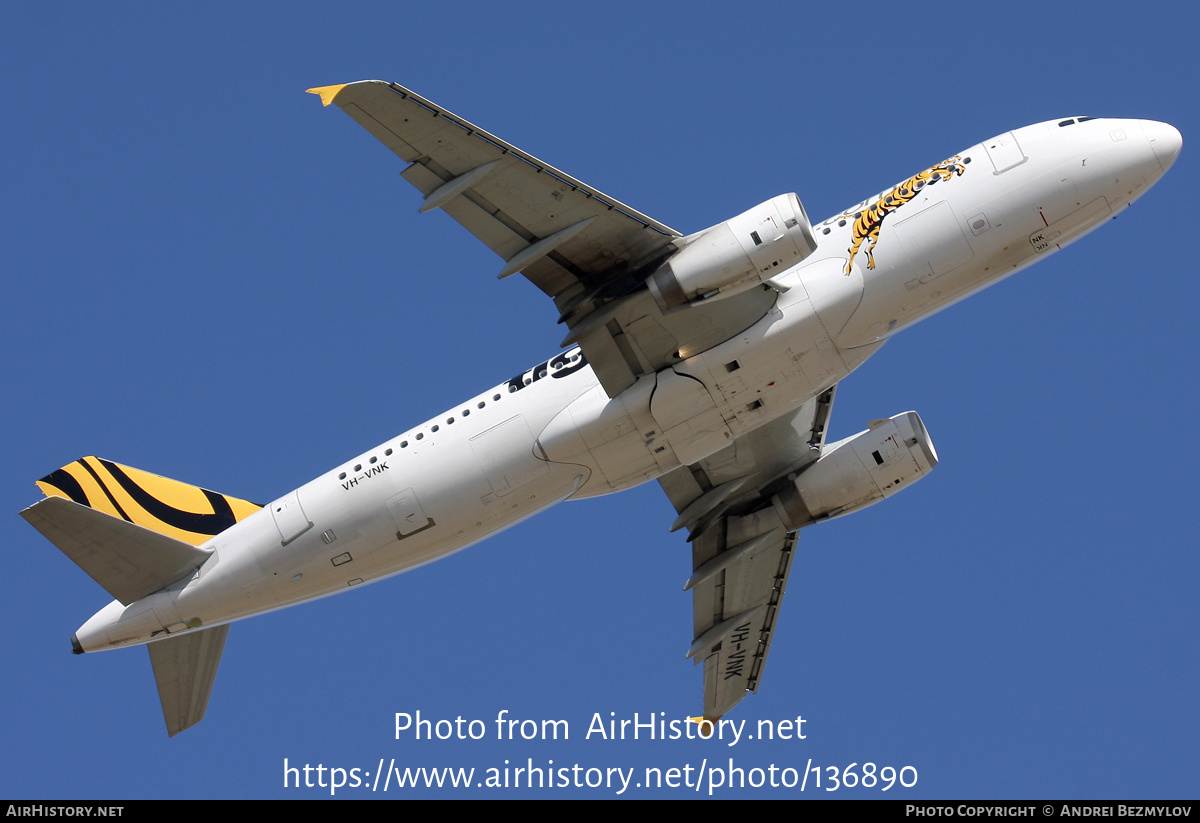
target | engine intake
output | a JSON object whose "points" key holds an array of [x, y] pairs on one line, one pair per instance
{"points": [[861, 470], [736, 255]]}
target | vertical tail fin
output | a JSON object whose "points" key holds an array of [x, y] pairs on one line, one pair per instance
{"points": [[184, 669], [134, 533], [178, 510]]}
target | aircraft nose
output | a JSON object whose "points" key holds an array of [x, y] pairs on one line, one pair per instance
{"points": [[1166, 141]]}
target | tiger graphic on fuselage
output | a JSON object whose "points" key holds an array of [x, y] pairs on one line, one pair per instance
{"points": [[869, 220]]}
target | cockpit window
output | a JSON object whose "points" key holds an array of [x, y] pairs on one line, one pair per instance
{"points": [[1070, 122]]}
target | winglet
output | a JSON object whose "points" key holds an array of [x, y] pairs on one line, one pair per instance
{"points": [[703, 722], [327, 92]]}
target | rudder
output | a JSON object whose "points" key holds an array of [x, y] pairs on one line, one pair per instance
{"points": [[170, 507]]}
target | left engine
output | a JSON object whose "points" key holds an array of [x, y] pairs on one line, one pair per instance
{"points": [[736, 255]]}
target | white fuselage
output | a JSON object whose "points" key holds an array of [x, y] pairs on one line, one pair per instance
{"points": [[552, 433]]}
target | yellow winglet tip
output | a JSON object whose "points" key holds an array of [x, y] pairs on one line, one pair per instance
{"points": [[327, 92], [701, 720]]}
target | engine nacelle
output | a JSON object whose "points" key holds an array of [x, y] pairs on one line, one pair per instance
{"points": [[858, 471], [736, 255]]}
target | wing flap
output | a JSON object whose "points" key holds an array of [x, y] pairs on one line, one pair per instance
{"points": [[749, 592], [474, 216], [528, 196], [741, 551], [589, 252], [185, 668], [491, 224]]}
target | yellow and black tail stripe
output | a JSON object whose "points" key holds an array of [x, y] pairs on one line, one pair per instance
{"points": [[178, 510]]}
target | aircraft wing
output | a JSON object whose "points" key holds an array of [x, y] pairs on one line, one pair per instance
{"points": [[741, 551], [588, 251]]}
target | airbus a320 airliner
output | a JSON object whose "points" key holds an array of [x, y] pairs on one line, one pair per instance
{"points": [[707, 362]]}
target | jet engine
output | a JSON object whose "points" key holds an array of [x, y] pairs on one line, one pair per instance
{"points": [[859, 471], [736, 255]]}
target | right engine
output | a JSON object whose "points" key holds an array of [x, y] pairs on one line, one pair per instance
{"points": [[736, 255], [859, 471]]}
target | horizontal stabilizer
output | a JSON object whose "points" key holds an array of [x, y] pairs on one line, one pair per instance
{"points": [[129, 561], [184, 669]]}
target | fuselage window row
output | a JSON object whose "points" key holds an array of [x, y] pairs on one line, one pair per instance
{"points": [[421, 435]]}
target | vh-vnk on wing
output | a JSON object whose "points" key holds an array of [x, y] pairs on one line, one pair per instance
{"points": [[707, 362]]}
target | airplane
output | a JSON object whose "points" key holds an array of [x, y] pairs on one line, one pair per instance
{"points": [[708, 362]]}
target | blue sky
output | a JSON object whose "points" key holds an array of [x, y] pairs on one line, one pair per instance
{"points": [[210, 277]]}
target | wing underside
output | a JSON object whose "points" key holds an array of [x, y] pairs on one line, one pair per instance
{"points": [[505, 197], [741, 552], [586, 250]]}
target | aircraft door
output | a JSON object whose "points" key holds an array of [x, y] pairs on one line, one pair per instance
{"points": [[1004, 152], [407, 514], [290, 518]]}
